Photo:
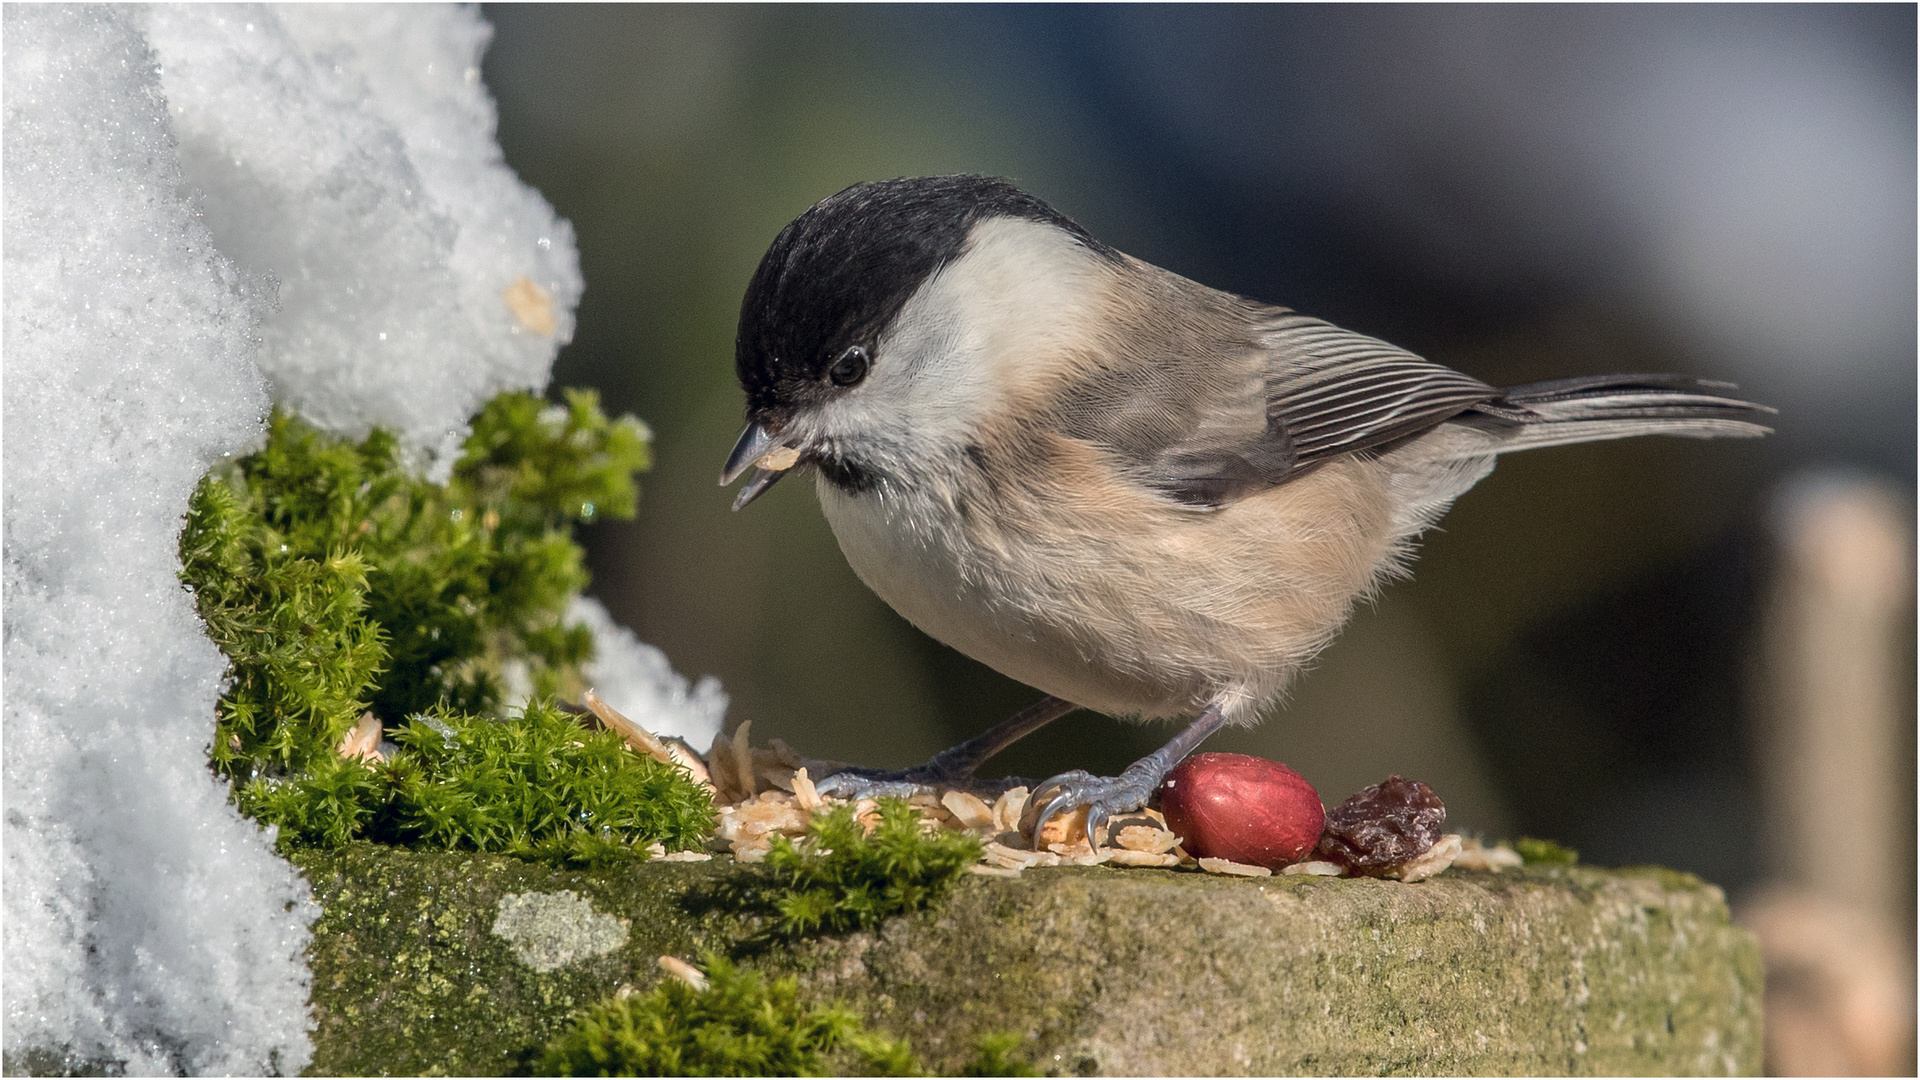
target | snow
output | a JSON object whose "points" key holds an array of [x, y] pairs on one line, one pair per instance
{"points": [[635, 678], [145, 921], [206, 209], [346, 155]]}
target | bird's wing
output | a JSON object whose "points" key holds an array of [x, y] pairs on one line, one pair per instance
{"points": [[1210, 422], [1335, 392]]}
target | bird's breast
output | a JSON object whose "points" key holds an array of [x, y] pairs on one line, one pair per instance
{"points": [[1113, 597], [951, 564]]}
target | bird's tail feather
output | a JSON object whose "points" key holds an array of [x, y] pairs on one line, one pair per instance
{"points": [[1428, 474], [1600, 407]]}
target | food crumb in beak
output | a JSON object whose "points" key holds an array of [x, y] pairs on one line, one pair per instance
{"points": [[779, 459]]}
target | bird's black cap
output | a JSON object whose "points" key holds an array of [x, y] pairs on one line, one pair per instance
{"points": [[839, 273]]}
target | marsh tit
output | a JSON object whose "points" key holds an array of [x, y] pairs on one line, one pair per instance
{"points": [[1135, 493]]}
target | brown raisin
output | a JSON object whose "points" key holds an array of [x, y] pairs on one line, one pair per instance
{"points": [[1384, 826]]}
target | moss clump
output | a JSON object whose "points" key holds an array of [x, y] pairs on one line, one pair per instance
{"points": [[996, 1057], [535, 785], [844, 878], [740, 1025], [337, 582], [1538, 852], [302, 653]]}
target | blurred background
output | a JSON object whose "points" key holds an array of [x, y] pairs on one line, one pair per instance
{"points": [[1696, 654]]}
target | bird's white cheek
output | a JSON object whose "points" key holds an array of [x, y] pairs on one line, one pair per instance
{"points": [[991, 330], [926, 407]]}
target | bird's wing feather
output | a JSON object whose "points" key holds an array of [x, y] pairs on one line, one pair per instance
{"points": [[1337, 392], [1213, 421]]}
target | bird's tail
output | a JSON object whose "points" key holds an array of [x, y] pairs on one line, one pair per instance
{"points": [[1436, 469], [1597, 407]]}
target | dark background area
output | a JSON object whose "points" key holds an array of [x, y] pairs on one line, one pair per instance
{"points": [[1518, 192]]}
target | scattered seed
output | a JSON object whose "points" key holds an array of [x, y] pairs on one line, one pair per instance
{"points": [[363, 741], [743, 759], [804, 793], [994, 871], [786, 754], [1063, 829], [685, 972], [1008, 808], [1126, 857], [1007, 856], [968, 810], [1435, 859], [1146, 838], [1316, 868], [1227, 866], [1475, 856]]}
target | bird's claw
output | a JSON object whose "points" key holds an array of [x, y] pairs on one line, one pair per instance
{"points": [[1103, 796], [872, 783]]}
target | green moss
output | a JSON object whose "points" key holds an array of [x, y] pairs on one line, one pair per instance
{"points": [[842, 878], [1545, 852], [303, 655], [996, 1057], [547, 463], [739, 1025], [337, 581], [743, 1025], [537, 785], [332, 801]]}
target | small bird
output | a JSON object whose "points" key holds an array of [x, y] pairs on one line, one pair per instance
{"points": [[1140, 495]]}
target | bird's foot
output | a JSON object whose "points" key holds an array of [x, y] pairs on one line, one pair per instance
{"points": [[953, 768], [1103, 796], [928, 779]]}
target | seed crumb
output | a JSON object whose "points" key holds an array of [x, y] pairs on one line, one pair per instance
{"points": [[1228, 866]]}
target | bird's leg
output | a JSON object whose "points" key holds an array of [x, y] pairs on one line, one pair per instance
{"points": [[953, 767], [1105, 796]]}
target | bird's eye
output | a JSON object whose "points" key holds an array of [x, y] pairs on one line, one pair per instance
{"points": [[850, 368]]}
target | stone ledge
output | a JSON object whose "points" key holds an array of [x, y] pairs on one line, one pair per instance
{"points": [[1537, 971]]}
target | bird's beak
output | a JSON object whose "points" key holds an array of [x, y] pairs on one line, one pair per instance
{"points": [[769, 461]]}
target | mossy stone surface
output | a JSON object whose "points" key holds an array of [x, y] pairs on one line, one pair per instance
{"points": [[1562, 970]]}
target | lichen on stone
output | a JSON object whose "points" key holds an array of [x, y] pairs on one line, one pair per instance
{"points": [[552, 930]]}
